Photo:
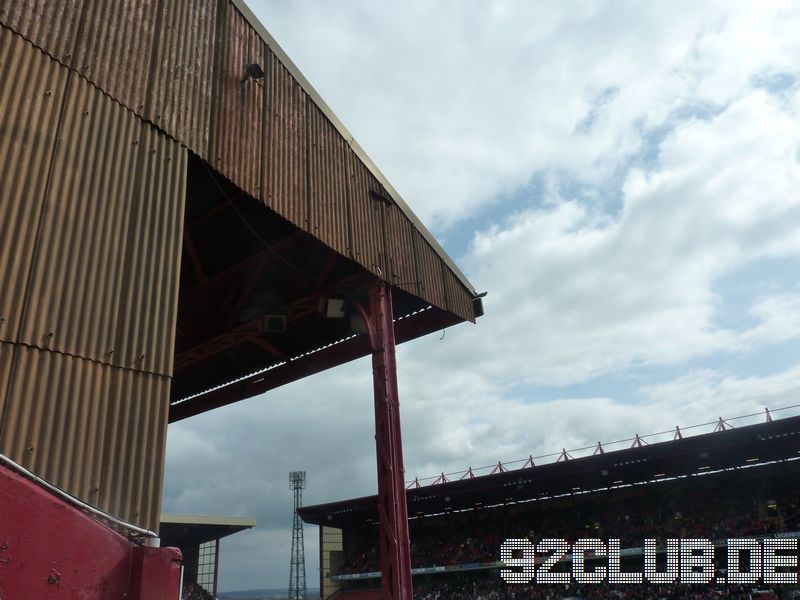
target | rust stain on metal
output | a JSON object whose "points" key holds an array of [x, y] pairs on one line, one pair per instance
{"points": [[366, 218], [285, 164], [329, 214], [114, 48], [28, 124], [459, 299], [400, 244], [430, 269], [180, 95], [49, 25], [237, 139]]}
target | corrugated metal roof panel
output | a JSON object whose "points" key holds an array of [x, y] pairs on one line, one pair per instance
{"points": [[180, 98], [430, 270], [400, 243], [146, 334], [329, 213], [78, 273], [263, 149], [362, 156], [366, 207], [115, 47], [30, 102], [459, 300], [133, 464], [93, 430], [285, 164], [55, 419], [238, 114], [49, 25]]}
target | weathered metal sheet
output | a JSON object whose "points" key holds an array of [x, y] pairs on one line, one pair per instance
{"points": [[147, 315], [400, 245], [55, 419], [285, 164], [366, 206], [78, 274], [133, 465], [93, 430], [52, 26], [180, 96], [329, 212], [459, 300], [30, 101], [238, 114], [92, 228], [6, 357], [115, 47], [430, 270]]}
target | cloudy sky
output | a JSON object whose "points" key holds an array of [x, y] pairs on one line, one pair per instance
{"points": [[621, 177]]}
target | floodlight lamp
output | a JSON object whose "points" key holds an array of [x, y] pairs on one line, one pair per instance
{"points": [[253, 71], [332, 308]]}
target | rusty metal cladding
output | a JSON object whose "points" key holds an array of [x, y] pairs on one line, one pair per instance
{"points": [[180, 96], [365, 217], [285, 159], [146, 334], [30, 102], [78, 274], [133, 464], [400, 245], [115, 46], [55, 418], [52, 26], [329, 215], [6, 357], [430, 270], [237, 139], [459, 299]]}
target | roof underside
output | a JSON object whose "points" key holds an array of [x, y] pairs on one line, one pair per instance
{"points": [[191, 530], [244, 267], [714, 451], [282, 205]]}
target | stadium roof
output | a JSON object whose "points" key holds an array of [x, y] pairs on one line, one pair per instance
{"points": [[282, 205], [188, 530], [734, 447]]}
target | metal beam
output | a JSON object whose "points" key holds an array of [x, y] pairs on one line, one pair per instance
{"points": [[392, 511], [406, 329]]}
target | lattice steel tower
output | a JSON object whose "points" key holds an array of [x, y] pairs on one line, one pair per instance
{"points": [[297, 568]]}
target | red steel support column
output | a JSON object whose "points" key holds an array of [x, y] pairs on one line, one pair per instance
{"points": [[392, 511]]}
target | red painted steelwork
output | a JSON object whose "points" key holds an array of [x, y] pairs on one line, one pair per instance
{"points": [[51, 550], [392, 511], [332, 356]]}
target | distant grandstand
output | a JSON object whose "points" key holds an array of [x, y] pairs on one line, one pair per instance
{"points": [[731, 482]]}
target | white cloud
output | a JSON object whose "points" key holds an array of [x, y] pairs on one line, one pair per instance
{"points": [[574, 293], [680, 125], [460, 102]]}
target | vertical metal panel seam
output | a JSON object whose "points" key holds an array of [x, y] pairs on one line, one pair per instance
{"points": [[388, 276], [307, 219], [220, 43], [348, 206], [266, 105], [160, 18]]}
